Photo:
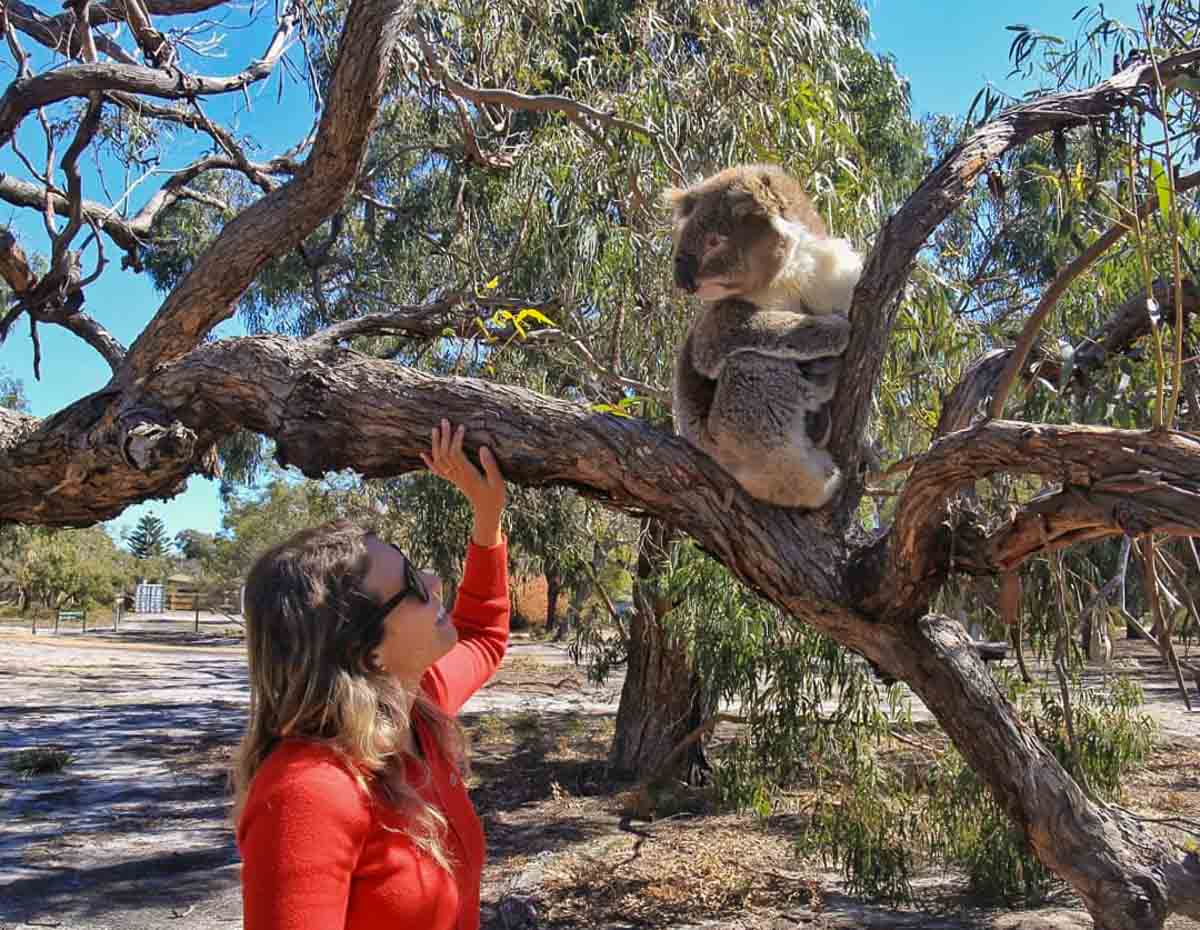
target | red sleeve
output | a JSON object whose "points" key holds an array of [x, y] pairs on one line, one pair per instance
{"points": [[481, 614], [300, 836]]}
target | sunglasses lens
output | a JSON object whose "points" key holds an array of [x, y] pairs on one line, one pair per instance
{"points": [[417, 584]]}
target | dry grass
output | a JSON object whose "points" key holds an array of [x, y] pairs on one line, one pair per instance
{"points": [[575, 838], [678, 870]]}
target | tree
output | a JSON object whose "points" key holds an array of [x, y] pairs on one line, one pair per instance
{"points": [[342, 389], [149, 538], [12, 392], [57, 567], [195, 545]]}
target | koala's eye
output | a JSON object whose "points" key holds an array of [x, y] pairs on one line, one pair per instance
{"points": [[712, 241]]}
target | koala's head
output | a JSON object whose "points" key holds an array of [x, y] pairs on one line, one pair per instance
{"points": [[750, 231], [734, 231]]}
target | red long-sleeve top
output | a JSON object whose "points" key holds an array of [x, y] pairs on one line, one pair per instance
{"points": [[319, 854]]}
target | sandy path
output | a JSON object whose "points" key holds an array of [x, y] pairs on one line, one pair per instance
{"points": [[133, 834]]}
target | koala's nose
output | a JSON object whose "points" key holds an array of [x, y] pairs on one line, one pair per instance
{"points": [[686, 267]]}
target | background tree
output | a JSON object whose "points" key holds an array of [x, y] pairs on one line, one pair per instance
{"points": [[148, 540], [507, 205], [195, 545], [49, 568]]}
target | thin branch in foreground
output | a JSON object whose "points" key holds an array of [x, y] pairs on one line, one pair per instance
{"points": [[1059, 286]]}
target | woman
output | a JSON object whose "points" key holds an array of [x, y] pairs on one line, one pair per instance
{"points": [[351, 808]]}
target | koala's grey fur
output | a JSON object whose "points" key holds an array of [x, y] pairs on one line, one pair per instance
{"points": [[762, 360]]}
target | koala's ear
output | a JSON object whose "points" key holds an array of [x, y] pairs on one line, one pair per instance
{"points": [[678, 200], [744, 204]]}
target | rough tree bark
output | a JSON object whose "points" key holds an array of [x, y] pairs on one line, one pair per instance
{"points": [[173, 396]]}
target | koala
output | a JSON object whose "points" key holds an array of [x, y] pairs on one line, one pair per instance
{"points": [[760, 364]]}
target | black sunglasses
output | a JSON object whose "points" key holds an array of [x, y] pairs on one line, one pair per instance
{"points": [[414, 586]]}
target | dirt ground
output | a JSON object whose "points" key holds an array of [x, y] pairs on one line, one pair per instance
{"points": [[133, 833]]}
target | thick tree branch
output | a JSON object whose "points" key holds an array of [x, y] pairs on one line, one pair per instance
{"points": [[1130, 322], [330, 408], [278, 222], [1075, 515], [973, 395], [59, 33], [1119, 868], [905, 234], [1102, 465]]}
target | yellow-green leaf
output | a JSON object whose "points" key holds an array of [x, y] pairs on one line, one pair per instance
{"points": [[536, 315]]}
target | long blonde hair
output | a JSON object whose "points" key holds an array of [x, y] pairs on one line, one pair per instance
{"points": [[311, 629]]}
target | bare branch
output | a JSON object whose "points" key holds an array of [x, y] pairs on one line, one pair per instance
{"points": [[59, 33], [424, 320], [577, 347], [25, 95], [24, 194], [84, 133], [258, 172], [154, 45], [90, 332], [575, 111]]}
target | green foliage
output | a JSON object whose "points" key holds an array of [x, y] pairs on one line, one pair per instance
{"points": [[58, 567], [869, 831], [193, 544], [257, 518], [12, 391], [888, 820], [811, 709], [149, 538]]}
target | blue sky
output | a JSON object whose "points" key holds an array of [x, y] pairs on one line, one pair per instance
{"points": [[946, 50]]}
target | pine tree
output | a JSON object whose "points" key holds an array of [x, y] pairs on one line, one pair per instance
{"points": [[149, 538]]}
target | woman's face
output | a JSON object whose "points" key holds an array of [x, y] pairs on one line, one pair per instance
{"points": [[415, 633]]}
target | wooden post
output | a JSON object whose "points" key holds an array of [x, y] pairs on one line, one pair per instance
{"points": [[196, 601], [57, 617]]}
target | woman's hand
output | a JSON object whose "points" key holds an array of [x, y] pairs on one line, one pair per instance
{"points": [[485, 490]]}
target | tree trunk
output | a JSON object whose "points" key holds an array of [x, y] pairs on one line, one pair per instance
{"points": [[661, 701], [553, 589], [1128, 878], [575, 600]]}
